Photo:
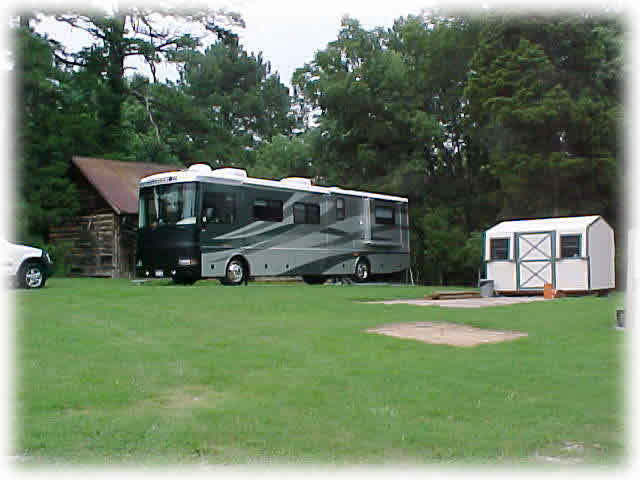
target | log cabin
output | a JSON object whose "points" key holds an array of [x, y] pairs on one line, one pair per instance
{"points": [[100, 241]]}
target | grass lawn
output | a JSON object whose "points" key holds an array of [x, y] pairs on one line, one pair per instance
{"points": [[112, 373]]}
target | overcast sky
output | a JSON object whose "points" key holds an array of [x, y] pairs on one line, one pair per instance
{"points": [[289, 32]]}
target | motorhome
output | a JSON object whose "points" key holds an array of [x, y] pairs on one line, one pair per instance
{"points": [[204, 223]]}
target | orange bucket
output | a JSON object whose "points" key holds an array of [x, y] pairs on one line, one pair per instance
{"points": [[548, 290]]}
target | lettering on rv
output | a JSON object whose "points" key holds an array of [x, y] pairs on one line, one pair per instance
{"points": [[159, 180]]}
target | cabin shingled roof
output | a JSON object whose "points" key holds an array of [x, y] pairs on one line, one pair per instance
{"points": [[117, 181]]}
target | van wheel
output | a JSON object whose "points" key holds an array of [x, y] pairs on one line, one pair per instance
{"points": [[32, 275], [236, 272], [363, 270]]}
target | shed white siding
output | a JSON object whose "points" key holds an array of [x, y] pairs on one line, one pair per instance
{"points": [[535, 255], [601, 255], [503, 275]]}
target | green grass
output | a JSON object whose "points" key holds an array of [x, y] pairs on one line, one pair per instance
{"points": [[111, 373]]}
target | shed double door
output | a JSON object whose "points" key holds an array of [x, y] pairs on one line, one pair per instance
{"points": [[535, 260]]}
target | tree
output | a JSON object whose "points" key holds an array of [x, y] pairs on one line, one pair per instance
{"points": [[542, 103], [133, 32], [285, 156], [52, 124], [368, 114], [233, 102]]}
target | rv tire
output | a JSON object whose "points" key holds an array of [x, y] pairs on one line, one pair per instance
{"points": [[236, 272], [362, 271]]}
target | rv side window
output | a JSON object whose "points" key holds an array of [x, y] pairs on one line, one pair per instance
{"points": [[298, 213], [268, 210], [218, 207], [306, 213], [499, 248], [569, 246], [385, 215], [341, 211]]}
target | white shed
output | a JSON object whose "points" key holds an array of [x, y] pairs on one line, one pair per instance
{"points": [[574, 254]]}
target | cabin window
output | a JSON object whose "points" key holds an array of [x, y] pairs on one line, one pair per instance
{"points": [[218, 207], [499, 248], [569, 246], [268, 210], [341, 211], [385, 215], [306, 213]]}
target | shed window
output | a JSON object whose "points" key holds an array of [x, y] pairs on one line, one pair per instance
{"points": [[268, 210], [569, 246], [306, 213], [499, 248]]}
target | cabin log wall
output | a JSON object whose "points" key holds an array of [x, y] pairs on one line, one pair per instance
{"points": [[90, 244], [100, 245]]}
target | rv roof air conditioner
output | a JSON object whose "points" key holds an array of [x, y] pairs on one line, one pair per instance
{"points": [[230, 173], [298, 181], [199, 168]]}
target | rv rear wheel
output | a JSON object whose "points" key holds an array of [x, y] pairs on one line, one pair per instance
{"points": [[236, 272], [363, 270]]}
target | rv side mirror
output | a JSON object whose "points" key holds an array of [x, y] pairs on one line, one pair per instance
{"points": [[207, 213]]}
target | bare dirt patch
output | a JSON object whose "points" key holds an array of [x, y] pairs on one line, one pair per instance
{"points": [[446, 333]]}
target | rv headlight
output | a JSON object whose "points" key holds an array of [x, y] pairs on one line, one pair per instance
{"points": [[187, 261]]}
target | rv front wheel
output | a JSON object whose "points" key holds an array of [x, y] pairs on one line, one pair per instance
{"points": [[363, 270], [236, 272]]}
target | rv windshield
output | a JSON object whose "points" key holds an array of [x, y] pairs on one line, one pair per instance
{"points": [[173, 204]]}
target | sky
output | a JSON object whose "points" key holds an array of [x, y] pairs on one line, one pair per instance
{"points": [[287, 32], [289, 35]]}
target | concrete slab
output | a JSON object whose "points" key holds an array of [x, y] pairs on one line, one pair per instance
{"points": [[466, 302]]}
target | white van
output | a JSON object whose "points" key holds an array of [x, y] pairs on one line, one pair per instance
{"points": [[29, 267]]}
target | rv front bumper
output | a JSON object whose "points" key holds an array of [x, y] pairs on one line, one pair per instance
{"points": [[185, 271]]}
